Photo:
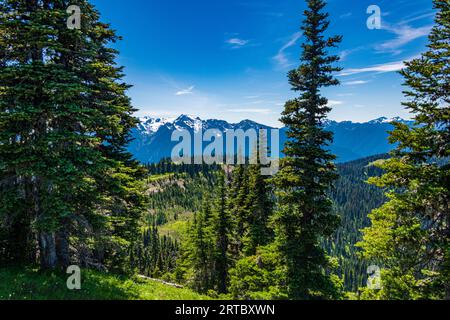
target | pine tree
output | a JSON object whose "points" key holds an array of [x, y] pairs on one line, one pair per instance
{"points": [[237, 192], [410, 234], [64, 121], [202, 248], [222, 226], [304, 213], [259, 204]]}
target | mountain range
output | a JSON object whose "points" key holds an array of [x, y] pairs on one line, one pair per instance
{"points": [[352, 141]]}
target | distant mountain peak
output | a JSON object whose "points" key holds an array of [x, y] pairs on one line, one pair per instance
{"points": [[150, 125], [187, 117], [388, 120]]}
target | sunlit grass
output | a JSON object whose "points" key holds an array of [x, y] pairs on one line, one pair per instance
{"points": [[31, 284]]}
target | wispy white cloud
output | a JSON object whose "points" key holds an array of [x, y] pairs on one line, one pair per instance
{"points": [[345, 94], [417, 17], [355, 83], [404, 35], [257, 102], [252, 97], [237, 43], [333, 103], [281, 57], [345, 15], [185, 91], [380, 68], [345, 53]]}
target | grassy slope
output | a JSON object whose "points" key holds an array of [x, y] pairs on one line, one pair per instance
{"points": [[177, 229], [29, 284]]}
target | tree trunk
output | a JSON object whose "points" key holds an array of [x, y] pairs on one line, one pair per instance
{"points": [[62, 247], [47, 250], [20, 245]]}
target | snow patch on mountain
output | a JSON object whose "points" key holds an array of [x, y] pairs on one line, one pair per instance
{"points": [[150, 125], [388, 120]]}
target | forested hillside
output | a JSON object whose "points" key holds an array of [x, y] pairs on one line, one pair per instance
{"points": [[354, 199], [176, 197]]}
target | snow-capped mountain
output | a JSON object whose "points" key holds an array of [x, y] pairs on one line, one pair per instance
{"points": [[151, 125], [152, 137], [388, 120]]}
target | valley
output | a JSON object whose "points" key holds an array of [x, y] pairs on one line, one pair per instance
{"points": [[173, 208]]}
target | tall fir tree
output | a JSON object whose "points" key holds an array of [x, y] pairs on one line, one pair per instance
{"points": [[202, 248], [304, 216], [237, 191], [259, 205], [64, 122], [410, 234], [222, 226]]}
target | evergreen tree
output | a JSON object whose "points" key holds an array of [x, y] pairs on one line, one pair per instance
{"points": [[64, 122], [410, 235], [222, 224], [202, 249], [304, 215], [259, 204], [237, 192]]}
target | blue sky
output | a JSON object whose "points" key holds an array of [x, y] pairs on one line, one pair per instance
{"points": [[229, 59]]}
